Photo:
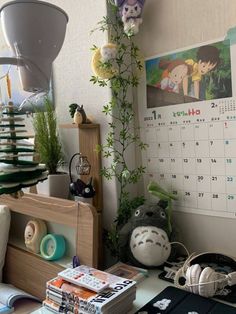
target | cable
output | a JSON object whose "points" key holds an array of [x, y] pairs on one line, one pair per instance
{"points": [[182, 246]]}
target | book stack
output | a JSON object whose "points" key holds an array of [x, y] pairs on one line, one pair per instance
{"points": [[63, 296]]}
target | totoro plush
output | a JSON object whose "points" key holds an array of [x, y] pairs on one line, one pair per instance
{"points": [[144, 239]]}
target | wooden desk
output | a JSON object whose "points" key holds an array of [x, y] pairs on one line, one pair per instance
{"points": [[148, 289]]}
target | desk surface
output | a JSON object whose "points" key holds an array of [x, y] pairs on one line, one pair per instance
{"points": [[146, 290]]}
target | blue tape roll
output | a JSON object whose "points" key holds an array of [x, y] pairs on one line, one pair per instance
{"points": [[52, 247]]}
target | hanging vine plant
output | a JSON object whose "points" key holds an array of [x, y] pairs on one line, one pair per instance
{"points": [[119, 65]]}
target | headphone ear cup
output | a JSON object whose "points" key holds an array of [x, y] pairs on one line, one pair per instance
{"points": [[208, 275], [192, 277]]}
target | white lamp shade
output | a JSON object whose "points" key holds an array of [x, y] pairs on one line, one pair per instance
{"points": [[35, 31]]}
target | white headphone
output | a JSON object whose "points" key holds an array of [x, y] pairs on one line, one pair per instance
{"points": [[204, 281]]}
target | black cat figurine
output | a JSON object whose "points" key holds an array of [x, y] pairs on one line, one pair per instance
{"points": [[80, 188]]}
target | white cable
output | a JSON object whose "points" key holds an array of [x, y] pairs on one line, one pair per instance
{"points": [[175, 242]]}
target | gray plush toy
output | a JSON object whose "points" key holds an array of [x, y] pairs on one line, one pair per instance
{"points": [[144, 239]]}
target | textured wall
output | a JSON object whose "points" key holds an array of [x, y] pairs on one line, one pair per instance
{"points": [[168, 25], [72, 79], [173, 24], [72, 74]]}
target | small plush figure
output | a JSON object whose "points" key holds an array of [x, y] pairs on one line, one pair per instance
{"points": [[144, 239], [103, 61], [130, 12], [80, 116], [35, 230], [108, 52]]}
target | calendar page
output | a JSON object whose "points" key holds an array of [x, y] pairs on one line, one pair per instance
{"points": [[187, 116]]}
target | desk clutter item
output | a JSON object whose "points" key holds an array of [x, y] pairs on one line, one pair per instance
{"points": [[35, 230], [176, 301], [9, 295], [128, 271], [53, 247], [207, 274], [90, 282], [64, 297]]}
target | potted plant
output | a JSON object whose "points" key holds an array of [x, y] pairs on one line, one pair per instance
{"points": [[49, 149]]}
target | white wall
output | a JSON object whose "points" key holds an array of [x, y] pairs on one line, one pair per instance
{"points": [[168, 25], [173, 24], [72, 73], [72, 84]]}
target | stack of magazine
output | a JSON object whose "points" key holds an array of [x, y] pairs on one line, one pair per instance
{"points": [[63, 296]]}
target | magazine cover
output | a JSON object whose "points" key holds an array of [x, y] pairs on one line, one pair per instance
{"points": [[5, 309], [9, 294], [127, 271], [102, 275]]}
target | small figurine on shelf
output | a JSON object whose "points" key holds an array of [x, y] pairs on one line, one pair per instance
{"points": [[80, 116]]}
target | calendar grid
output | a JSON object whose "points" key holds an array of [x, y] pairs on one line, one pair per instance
{"points": [[196, 160]]}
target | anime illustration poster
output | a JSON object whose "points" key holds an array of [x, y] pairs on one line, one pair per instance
{"points": [[197, 74]]}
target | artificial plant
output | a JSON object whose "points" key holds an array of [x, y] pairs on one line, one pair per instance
{"points": [[72, 109], [48, 144], [123, 133]]}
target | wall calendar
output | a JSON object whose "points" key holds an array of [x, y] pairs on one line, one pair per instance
{"points": [[187, 116]]}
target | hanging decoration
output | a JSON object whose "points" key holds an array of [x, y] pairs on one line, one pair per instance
{"points": [[130, 12], [103, 61]]}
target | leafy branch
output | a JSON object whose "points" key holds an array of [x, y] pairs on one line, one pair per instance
{"points": [[123, 134]]}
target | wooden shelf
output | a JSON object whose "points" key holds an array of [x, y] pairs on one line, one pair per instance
{"points": [[17, 243], [89, 138], [80, 216], [79, 126], [29, 271]]}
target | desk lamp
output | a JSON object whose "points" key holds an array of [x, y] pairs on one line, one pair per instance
{"points": [[35, 31]]}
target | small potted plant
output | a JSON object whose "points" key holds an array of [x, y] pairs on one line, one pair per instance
{"points": [[49, 149]]}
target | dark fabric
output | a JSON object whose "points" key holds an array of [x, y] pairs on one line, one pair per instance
{"points": [[176, 301]]}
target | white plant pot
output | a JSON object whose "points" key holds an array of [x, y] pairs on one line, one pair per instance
{"points": [[57, 185]]}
